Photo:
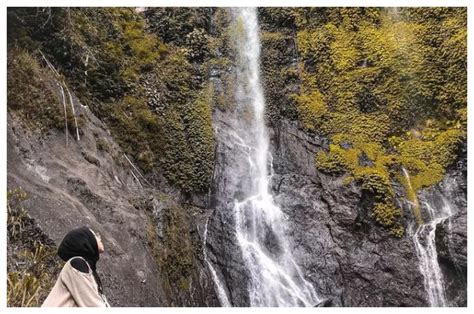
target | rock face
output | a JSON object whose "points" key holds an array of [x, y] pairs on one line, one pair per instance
{"points": [[155, 236], [223, 250], [91, 182], [451, 234], [347, 258], [66, 191]]}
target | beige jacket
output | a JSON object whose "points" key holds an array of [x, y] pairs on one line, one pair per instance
{"points": [[75, 289]]}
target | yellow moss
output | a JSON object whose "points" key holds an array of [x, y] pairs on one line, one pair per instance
{"points": [[377, 85], [397, 230], [311, 109], [386, 214], [271, 36]]}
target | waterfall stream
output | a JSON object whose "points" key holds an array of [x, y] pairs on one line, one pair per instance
{"points": [[425, 244], [221, 294], [424, 238], [275, 278]]}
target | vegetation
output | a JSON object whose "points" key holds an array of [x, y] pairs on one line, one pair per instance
{"points": [[172, 250], [32, 267], [389, 89], [30, 95], [386, 86], [146, 86]]}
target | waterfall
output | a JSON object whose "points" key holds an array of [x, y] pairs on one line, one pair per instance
{"points": [[425, 244], [424, 238], [223, 299], [275, 278], [413, 198]]}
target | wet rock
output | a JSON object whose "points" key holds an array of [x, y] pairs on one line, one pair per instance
{"points": [[324, 303], [222, 245], [365, 161], [346, 257], [346, 145], [451, 239]]}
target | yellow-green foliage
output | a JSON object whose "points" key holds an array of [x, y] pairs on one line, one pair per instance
{"points": [[16, 215], [313, 109], [223, 98], [189, 144], [177, 257], [146, 91], [31, 263], [427, 155], [139, 129], [375, 81], [29, 94], [22, 290], [280, 74], [173, 253], [109, 49], [386, 214]]}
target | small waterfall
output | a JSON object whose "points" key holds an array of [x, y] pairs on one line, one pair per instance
{"points": [[276, 279], [221, 294], [61, 83], [425, 244], [411, 194]]}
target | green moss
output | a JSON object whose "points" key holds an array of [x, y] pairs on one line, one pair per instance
{"points": [[374, 83], [280, 74], [189, 144], [29, 93], [222, 96], [102, 145], [177, 257], [312, 109], [386, 214], [172, 251]]}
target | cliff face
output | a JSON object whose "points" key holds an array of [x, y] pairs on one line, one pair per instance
{"points": [[161, 235], [152, 238], [348, 259]]}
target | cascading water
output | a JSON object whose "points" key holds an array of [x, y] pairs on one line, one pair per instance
{"points": [[425, 245], [223, 299], [275, 278]]}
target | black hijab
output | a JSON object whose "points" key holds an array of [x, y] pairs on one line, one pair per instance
{"points": [[81, 242]]}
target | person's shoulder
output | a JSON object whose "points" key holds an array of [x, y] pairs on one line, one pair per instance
{"points": [[80, 264]]}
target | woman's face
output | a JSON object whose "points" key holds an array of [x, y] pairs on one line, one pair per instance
{"points": [[100, 245]]}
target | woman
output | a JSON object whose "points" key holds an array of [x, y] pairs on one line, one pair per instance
{"points": [[78, 283]]}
